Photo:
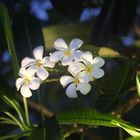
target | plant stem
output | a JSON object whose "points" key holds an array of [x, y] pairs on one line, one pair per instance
{"points": [[26, 111], [120, 134], [42, 116]]}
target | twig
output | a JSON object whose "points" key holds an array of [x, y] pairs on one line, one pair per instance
{"points": [[126, 107]]}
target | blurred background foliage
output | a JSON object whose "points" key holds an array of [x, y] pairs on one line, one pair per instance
{"points": [[109, 28]]}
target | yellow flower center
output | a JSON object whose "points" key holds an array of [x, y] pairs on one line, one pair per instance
{"points": [[89, 69], [39, 63], [77, 81], [68, 52], [27, 80]]}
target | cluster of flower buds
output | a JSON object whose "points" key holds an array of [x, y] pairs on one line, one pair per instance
{"points": [[83, 68]]}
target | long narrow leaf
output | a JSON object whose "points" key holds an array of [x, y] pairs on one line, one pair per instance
{"points": [[16, 106], [5, 120], [91, 117], [14, 119], [138, 83], [15, 136], [6, 23]]}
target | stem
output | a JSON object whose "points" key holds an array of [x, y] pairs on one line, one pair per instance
{"points": [[51, 80], [120, 134], [42, 116], [26, 111]]}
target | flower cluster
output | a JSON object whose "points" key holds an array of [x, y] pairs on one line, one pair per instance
{"points": [[83, 68]]}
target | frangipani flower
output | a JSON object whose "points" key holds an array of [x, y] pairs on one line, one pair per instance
{"points": [[89, 68], [74, 84], [66, 54], [27, 81], [38, 63]]}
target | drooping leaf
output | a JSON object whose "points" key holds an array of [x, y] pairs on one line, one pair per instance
{"points": [[138, 83], [92, 118]]}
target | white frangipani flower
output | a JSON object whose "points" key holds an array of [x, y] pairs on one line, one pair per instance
{"points": [[89, 68], [74, 84], [38, 63], [66, 54], [27, 81]]}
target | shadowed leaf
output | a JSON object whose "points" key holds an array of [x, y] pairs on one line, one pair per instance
{"points": [[48, 130]]}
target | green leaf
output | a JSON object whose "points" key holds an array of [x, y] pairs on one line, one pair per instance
{"points": [[114, 85], [6, 24], [15, 136], [21, 126], [10, 136], [138, 83], [5, 120], [6, 94], [133, 138], [91, 117], [109, 53]]}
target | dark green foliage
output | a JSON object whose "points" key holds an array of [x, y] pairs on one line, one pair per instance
{"points": [[114, 86], [48, 130]]}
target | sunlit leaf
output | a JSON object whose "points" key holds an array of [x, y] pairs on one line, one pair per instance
{"points": [[108, 52], [91, 117], [133, 138], [138, 83]]}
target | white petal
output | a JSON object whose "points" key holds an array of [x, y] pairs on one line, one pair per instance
{"points": [[65, 80], [77, 55], [32, 70], [42, 74], [87, 56], [71, 91], [25, 91], [84, 77], [23, 72], [19, 83], [47, 63], [35, 83], [26, 62], [38, 52], [66, 60], [75, 44], [56, 56], [98, 62], [84, 88], [60, 44], [76, 67], [98, 73]]}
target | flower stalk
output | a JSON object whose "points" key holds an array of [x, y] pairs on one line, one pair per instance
{"points": [[26, 111]]}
